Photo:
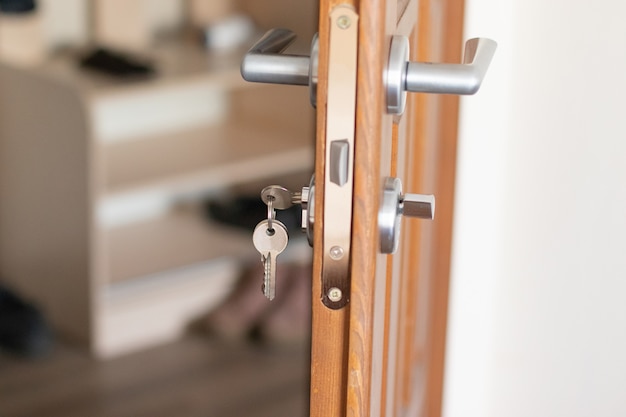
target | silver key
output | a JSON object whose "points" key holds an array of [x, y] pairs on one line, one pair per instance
{"points": [[280, 197], [270, 243]]}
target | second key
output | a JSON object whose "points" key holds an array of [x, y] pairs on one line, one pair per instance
{"points": [[270, 242]]}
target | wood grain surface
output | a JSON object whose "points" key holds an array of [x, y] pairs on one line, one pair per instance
{"points": [[434, 132], [383, 354], [329, 327], [372, 162]]}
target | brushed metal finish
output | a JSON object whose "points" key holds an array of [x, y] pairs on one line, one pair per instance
{"points": [[265, 62], [418, 205], [463, 79], [280, 197], [395, 76], [340, 117], [425, 77], [393, 206], [308, 210], [389, 215]]}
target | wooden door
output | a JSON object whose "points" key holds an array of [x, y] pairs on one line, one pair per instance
{"points": [[383, 353]]}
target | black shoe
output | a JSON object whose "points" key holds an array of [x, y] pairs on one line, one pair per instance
{"points": [[23, 329], [116, 64], [17, 6], [245, 212]]}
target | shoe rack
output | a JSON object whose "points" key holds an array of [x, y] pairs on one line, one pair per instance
{"points": [[100, 179]]}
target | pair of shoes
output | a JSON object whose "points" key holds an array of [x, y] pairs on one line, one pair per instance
{"points": [[23, 329], [249, 315], [289, 323]]}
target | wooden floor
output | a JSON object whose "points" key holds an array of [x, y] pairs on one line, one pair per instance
{"points": [[195, 377]]}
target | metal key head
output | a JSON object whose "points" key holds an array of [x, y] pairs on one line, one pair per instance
{"points": [[270, 240], [280, 197], [270, 243]]}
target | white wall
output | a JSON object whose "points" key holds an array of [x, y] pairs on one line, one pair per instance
{"points": [[67, 22], [538, 297]]}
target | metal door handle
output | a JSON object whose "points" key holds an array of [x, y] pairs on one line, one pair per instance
{"points": [[265, 62], [426, 77]]}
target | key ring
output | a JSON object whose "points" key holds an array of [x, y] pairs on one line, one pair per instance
{"points": [[271, 214]]}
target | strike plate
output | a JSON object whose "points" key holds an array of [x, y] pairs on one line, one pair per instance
{"points": [[339, 158]]}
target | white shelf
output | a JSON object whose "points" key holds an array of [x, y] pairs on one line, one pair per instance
{"points": [[144, 177], [167, 244], [176, 62], [203, 158], [156, 309]]}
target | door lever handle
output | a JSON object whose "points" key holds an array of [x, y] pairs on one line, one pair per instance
{"points": [[426, 77], [265, 62], [463, 79]]}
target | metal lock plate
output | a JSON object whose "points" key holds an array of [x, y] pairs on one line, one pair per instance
{"points": [[339, 158]]}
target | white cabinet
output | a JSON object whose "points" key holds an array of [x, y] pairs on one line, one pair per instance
{"points": [[97, 178]]}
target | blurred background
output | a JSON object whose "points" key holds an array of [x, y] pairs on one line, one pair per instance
{"points": [[132, 156], [112, 228]]}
